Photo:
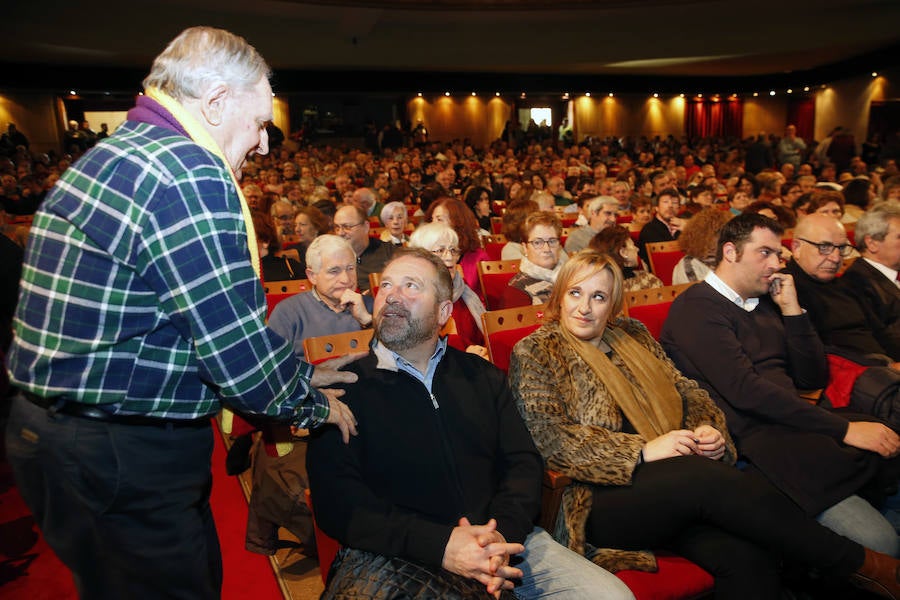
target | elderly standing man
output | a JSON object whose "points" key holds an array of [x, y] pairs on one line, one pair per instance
{"points": [[141, 315], [439, 492]]}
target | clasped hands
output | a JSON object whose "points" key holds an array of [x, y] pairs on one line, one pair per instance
{"points": [[703, 441], [480, 552]]}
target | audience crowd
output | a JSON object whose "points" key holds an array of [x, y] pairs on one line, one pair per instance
{"points": [[565, 210]]}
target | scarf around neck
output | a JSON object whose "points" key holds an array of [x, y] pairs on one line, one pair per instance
{"points": [[470, 298], [651, 404], [185, 122]]}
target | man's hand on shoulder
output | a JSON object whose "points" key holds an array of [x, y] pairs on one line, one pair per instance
{"points": [[480, 552], [327, 372]]}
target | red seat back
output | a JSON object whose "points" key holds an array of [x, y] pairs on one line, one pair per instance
{"points": [[663, 258], [504, 328], [494, 276]]}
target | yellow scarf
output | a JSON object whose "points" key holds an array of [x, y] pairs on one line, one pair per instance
{"points": [[652, 404], [202, 138]]}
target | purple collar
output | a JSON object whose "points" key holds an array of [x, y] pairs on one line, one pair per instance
{"points": [[148, 110]]}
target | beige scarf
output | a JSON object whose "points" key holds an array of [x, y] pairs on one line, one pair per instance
{"points": [[652, 404], [202, 138]]}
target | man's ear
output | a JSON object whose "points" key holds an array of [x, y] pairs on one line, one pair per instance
{"points": [[212, 104], [870, 245], [729, 252], [444, 311]]}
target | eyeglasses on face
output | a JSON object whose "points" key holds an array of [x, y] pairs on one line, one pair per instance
{"points": [[342, 227], [454, 252], [539, 243], [826, 248]]}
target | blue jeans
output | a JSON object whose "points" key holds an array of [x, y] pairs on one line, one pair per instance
{"points": [[551, 570], [858, 520]]}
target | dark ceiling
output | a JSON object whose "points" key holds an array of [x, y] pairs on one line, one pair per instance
{"points": [[411, 44]]}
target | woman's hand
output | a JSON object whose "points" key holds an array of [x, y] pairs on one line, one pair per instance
{"points": [[680, 442], [711, 443]]}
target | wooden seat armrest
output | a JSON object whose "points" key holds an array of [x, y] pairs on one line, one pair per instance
{"points": [[551, 497]]}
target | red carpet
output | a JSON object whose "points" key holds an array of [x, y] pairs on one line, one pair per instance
{"points": [[30, 571]]}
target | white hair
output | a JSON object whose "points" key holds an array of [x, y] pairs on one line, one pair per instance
{"points": [[389, 209], [431, 234], [323, 245], [201, 57]]}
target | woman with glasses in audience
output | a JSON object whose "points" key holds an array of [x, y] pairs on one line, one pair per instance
{"points": [[540, 263], [457, 216], [650, 455], [467, 306]]}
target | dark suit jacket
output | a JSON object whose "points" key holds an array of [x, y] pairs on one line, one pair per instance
{"points": [[880, 299], [837, 315]]}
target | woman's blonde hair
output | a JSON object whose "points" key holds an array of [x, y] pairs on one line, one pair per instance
{"points": [[579, 267]]}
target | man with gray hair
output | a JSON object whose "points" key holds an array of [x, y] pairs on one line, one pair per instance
{"points": [[601, 213], [141, 315], [332, 305], [874, 277]]}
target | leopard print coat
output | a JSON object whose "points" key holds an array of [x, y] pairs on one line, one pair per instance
{"points": [[578, 428]]}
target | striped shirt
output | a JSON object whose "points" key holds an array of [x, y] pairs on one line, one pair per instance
{"points": [[138, 294]]}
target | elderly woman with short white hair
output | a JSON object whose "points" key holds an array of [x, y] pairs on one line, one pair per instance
{"points": [[394, 218], [442, 240]]}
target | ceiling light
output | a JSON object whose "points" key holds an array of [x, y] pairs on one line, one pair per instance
{"points": [[446, 93], [874, 74], [587, 94], [474, 94], [771, 92], [497, 94], [655, 95], [681, 95], [790, 91], [72, 93], [806, 88], [610, 94], [419, 94], [755, 94]]}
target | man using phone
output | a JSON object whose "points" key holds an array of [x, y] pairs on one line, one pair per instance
{"points": [[744, 337]]}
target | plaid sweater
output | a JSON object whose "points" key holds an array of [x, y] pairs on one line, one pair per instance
{"points": [[138, 292]]}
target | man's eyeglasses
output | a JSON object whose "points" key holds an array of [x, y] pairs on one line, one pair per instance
{"points": [[454, 252], [539, 243], [340, 228], [826, 248]]}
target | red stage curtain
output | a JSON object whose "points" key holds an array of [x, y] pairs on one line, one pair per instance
{"points": [[801, 112], [712, 118]]}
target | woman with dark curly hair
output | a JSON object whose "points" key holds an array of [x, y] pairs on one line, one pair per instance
{"points": [[455, 214], [617, 242], [698, 240], [478, 199]]}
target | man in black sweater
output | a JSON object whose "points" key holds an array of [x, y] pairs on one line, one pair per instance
{"points": [[443, 477], [743, 336]]}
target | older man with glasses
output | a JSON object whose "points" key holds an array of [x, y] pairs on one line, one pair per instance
{"points": [[820, 246], [351, 223]]}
